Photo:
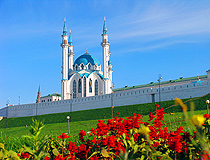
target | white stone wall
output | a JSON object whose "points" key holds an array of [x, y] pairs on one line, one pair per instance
{"points": [[120, 98]]}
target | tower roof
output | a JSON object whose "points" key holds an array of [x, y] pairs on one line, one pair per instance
{"points": [[85, 59], [70, 39], [104, 27], [64, 27], [39, 88]]}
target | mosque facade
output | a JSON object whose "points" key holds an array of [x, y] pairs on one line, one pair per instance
{"points": [[84, 76]]}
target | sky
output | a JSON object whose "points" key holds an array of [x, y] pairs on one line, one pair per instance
{"points": [[147, 38]]}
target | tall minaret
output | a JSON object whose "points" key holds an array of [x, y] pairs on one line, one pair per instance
{"points": [[110, 70], [64, 46], [71, 53], [38, 96], [106, 56]]}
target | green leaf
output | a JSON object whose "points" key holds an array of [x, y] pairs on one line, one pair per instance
{"points": [[1, 146], [55, 152], [12, 154], [94, 153], [142, 157], [104, 153], [135, 148]]}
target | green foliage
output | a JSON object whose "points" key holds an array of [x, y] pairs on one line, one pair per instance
{"points": [[15, 143], [7, 155], [35, 130]]}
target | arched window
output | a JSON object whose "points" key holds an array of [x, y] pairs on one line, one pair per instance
{"points": [[79, 86], [90, 86], [82, 66], [89, 66], [84, 86], [74, 89], [96, 87], [76, 68]]}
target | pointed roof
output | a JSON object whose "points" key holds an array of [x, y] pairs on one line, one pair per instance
{"points": [[64, 27], [70, 39], [104, 27], [39, 88]]}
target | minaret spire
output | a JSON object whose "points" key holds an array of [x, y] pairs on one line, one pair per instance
{"points": [[70, 39], [64, 27], [65, 68], [107, 70], [104, 27]]}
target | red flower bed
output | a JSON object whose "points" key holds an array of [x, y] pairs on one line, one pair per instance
{"points": [[129, 138]]}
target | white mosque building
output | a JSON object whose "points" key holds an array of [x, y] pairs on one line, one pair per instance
{"points": [[84, 77]]}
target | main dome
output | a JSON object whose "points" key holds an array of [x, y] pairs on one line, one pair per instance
{"points": [[85, 59]]}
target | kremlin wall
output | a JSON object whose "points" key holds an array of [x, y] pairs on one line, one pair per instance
{"points": [[184, 89]]}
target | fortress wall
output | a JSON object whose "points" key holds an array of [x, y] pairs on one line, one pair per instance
{"points": [[120, 98], [3, 112]]}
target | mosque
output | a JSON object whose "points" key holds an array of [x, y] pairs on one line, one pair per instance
{"points": [[84, 77]]}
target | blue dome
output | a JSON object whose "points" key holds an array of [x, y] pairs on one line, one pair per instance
{"points": [[85, 59]]}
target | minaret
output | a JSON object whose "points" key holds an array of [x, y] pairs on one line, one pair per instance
{"points": [[106, 56], [38, 95], [110, 70], [64, 46], [71, 53]]}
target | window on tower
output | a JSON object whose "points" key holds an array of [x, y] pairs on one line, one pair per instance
{"points": [[96, 87], [90, 86], [79, 86], [74, 89], [84, 86], [89, 66], [76, 68]]}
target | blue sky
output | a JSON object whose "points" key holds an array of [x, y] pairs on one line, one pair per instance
{"points": [[147, 38]]}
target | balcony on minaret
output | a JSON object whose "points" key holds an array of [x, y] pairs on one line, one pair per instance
{"points": [[64, 41]]}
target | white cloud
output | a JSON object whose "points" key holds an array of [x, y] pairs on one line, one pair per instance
{"points": [[157, 22]]}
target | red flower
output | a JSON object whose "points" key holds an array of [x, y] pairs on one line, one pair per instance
{"points": [[47, 158], [24, 155], [206, 116], [156, 144], [81, 135], [151, 116], [118, 113], [94, 158], [157, 105], [63, 136]]}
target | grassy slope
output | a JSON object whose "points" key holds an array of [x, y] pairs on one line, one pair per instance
{"points": [[58, 128], [103, 113]]}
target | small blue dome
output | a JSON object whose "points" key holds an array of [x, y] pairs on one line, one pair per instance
{"points": [[85, 59]]}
